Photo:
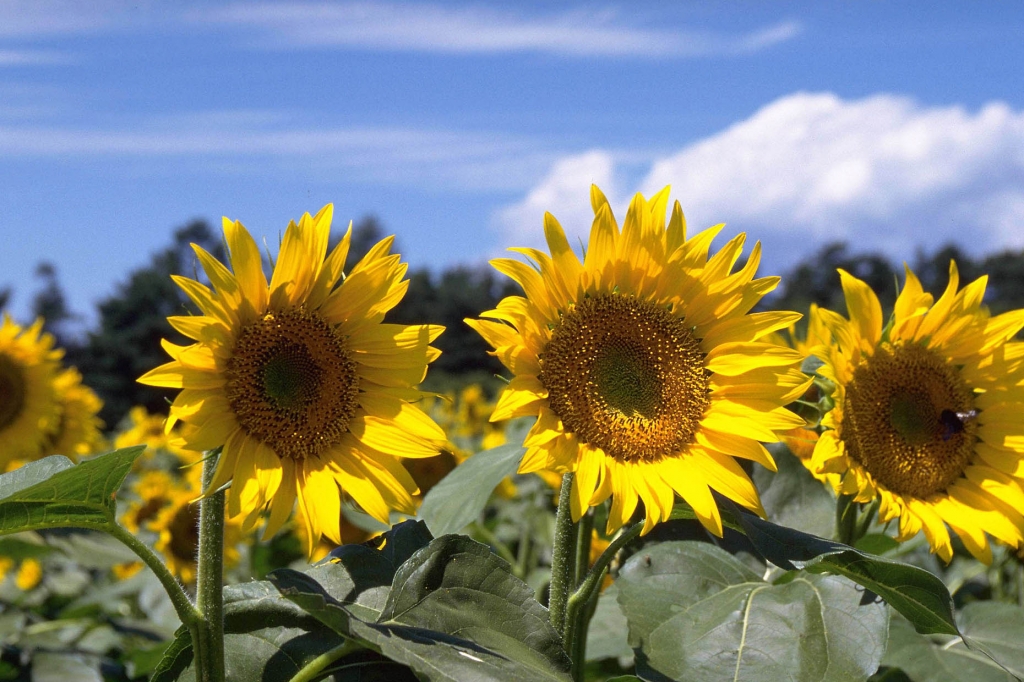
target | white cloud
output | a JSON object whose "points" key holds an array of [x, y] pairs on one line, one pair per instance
{"points": [[883, 172], [565, 189], [478, 29]]}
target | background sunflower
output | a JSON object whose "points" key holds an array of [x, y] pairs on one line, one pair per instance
{"points": [[927, 412]]}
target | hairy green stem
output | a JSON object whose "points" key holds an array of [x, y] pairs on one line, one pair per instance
{"points": [[583, 534], [581, 604], [316, 667], [563, 554], [182, 604], [210, 579]]}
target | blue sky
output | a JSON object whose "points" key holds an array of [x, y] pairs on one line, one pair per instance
{"points": [[896, 126]]}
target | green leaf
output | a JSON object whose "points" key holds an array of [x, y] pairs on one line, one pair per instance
{"points": [[460, 497], [990, 649], [53, 493], [55, 667], [455, 612], [917, 594], [266, 638], [697, 613], [606, 637], [20, 547], [269, 637], [877, 543], [792, 497]]}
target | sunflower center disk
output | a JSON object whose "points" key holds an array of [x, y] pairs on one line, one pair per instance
{"points": [[908, 420], [184, 532], [626, 376], [12, 391], [292, 383]]}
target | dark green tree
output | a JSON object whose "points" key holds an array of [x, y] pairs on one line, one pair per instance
{"points": [[448, 299], [134, 320], [816, 279], [51, 304], [366, 232]]}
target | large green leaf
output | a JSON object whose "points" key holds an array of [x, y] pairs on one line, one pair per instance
{"points": [[269, 637], [917, 594], [994, 632], [460, 497], [607, 636], [455, 612], [53, 493], [792, 497], [697, 613]]}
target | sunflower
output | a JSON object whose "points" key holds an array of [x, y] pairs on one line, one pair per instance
{"points": [[642, 365], [802, 440], [28, 575], [78, 431], [927, 415], [300, 381], [177, 527], [143, 428], [29, 408], [152, 491]]}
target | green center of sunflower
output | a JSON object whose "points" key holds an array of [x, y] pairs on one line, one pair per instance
{"points": [[626, 376], [291, 377], [12, 391], [292, 383], [908, 419]]}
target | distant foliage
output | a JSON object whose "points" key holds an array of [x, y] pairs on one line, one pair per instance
{"points": [[815, 280], [132, 322]]}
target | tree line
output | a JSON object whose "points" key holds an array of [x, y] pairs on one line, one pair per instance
{"points": [[124, 343]]}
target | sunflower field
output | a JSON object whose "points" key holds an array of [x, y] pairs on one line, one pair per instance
{"points": [[653, 471]]}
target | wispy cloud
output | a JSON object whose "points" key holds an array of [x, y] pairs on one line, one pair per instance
{"points": [[29, 57], [883, 172], [262, 141], [37, 18], [410, 26]]}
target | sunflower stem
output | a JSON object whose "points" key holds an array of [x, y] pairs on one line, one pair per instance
{"points": [[581, 604], [562, 556], [210, 578], [183, 606], [583, 533], [846, 519], [866, 518], [316, 667]]}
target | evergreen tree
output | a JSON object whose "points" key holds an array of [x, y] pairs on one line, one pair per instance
{"points": [[134, 320]]}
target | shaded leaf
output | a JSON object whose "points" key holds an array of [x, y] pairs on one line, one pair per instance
{"points": [[55, 494], [939, 658], [607, 636], [917, 594], [876, 543], [792, 497], [460, 497], [454, 612], [697, 613], [54, 667]]}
